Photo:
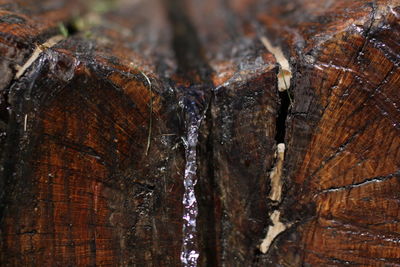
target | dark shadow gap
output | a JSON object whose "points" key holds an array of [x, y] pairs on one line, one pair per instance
{"points": [[192, 65], [282, 115]]}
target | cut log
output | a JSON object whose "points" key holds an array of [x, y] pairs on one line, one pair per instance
{"points": [[285, 114], [24, 26], [91, 169], [342, 164]]}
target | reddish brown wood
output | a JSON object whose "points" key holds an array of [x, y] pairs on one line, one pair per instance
{"points": [[80, 187], [342, 167], [25, 24]]}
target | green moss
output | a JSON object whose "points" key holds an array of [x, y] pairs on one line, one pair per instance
{"points": [[102, 6], [63, 30]]}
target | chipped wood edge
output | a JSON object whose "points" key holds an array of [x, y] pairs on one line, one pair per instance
{"points": [[276, 175], [275, 195], [36, 53], [274, 230]]}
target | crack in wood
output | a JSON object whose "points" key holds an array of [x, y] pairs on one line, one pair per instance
{"points": [[285, 72], [365, 182], [275, 195]]}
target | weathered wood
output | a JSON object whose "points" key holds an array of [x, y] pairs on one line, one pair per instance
{"points": [[238, 144], [26, 24], [93, 160], [81, 186], [342, 163]]}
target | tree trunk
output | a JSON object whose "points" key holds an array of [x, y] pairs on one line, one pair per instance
{"points": [[282, 116]]}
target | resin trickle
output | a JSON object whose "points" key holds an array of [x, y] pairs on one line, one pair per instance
{"points": [[194, 111]]}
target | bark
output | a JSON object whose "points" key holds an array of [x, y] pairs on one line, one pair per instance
{"points": [[298, 149]]}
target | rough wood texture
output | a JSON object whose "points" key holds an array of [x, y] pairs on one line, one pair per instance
{"points": [[82, 185], [24, 24], [342, 163], [244, 104], [80, 189]]}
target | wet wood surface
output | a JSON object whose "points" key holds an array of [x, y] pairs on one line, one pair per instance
{"points": [[92, 158], [82, 187]]}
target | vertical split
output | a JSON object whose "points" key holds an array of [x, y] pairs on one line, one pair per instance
{"points": [[276, 175], [194, 114], [193, 83]]}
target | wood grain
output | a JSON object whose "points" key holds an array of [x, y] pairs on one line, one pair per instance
{"points": [[80, 187], [342, 167], [92, 159]]}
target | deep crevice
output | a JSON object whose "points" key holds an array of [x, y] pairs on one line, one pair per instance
{"points": [[282, 115], [192, 65], [206, 190], [4, 113], [193, 87], [72, 28]]}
